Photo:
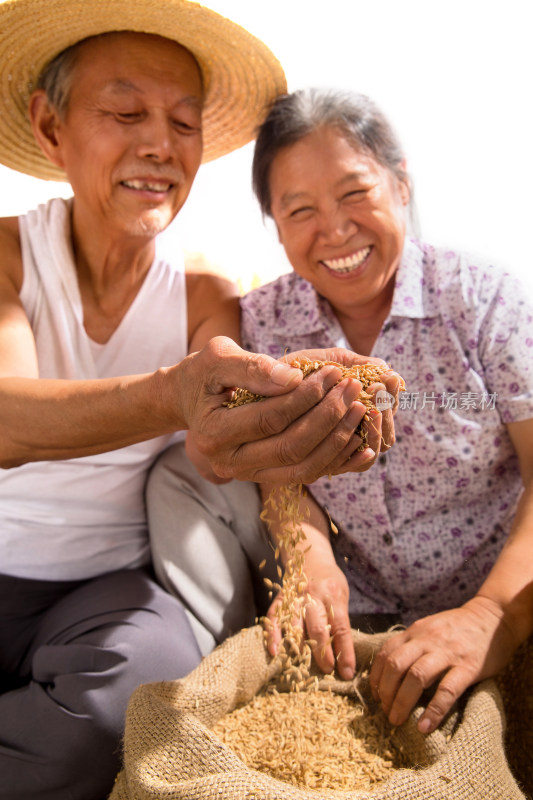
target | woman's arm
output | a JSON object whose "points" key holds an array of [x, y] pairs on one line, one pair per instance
{"points": [[325, 594], [456, 648]]}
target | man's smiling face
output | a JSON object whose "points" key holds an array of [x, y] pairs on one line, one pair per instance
{"points": [[131, 138]]}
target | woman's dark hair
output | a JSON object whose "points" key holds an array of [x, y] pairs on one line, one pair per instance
{"points": [[296, 115]]}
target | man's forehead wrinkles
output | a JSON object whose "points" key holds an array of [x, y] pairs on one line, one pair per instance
{"points": [[121, 85]]}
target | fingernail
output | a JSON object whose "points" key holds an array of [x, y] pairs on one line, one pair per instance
{"points": [[393, 385], [346, 673], [355, 414], [352, 391], [368, 454], [330, 377], [425, 725], [283, 374]]}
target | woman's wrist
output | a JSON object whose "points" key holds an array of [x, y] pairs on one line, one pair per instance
{"points": [[514, 614]]}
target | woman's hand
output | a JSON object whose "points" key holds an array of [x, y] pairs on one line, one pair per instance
{"points": [[450, 650], [378, 427], [326, 620]]}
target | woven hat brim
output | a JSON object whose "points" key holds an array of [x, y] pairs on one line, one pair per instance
{"points": [[241, 75]]}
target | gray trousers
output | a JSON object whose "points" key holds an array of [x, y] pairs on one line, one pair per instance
{"points": [[207, 544], [71, 653]]}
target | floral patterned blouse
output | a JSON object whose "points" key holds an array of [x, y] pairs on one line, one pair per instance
{"points": [[421, 529]]}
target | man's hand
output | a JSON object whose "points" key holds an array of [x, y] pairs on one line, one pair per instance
{"points": [[449, 651], [201, 462], [301, 431]]}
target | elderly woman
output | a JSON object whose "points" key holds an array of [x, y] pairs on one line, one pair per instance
{"points": [[439, 535]]}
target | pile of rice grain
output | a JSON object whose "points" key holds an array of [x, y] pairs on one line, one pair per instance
{"points": [[315, 739]]}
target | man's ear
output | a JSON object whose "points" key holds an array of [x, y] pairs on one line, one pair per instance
{"points": [[45, 123]]}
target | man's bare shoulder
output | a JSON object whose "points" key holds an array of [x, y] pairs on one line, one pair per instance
{"points": [[207, 280], [212, 301], [9, 229], [10, 252]]}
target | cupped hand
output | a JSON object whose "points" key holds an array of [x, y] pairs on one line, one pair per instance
{"points": [[201, 462], [378, 429], [293, 437], [448, 652], [301, 431], [325, 621]]}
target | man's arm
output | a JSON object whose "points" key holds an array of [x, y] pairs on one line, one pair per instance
{"points": [[44, 419], [212, 303]]}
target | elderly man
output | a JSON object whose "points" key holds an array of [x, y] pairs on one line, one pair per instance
{"points": [[106, 350]]}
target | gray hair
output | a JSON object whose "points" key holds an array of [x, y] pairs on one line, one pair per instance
{"points": [[56, 78], [294, 116]]}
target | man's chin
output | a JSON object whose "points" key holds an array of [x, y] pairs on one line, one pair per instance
{"points": [[150, 225]]}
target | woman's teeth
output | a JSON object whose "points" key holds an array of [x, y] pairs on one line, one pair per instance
{"points": [[349, 263]]}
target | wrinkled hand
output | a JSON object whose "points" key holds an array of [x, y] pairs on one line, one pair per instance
{"points": [[380, 428], [451, 650], [378, 424], [201, 462], [327, 622], [303, 430]]}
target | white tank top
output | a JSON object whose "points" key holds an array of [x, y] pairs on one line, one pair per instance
{"points": [[74, 519]]}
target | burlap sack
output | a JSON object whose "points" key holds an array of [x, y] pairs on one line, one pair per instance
{"points": [[170, 752], [516, 687]]}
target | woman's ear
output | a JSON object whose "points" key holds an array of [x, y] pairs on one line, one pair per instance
{"points": [[45, 123]]}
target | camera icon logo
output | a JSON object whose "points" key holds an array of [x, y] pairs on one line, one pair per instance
{"points": [[384, 400]]}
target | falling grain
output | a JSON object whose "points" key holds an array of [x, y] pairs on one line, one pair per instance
{"points": [[306, 735]]}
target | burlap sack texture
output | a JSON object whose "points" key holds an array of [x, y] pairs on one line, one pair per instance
{"points": [[170, 752], [516, 687]]}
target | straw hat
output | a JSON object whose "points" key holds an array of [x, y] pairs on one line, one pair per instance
{"points": [[241, 75]]}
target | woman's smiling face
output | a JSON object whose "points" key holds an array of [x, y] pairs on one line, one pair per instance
{"points": [[341, 217]]}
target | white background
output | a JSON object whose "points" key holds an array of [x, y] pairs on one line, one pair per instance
{"points": [[455, 79]]}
